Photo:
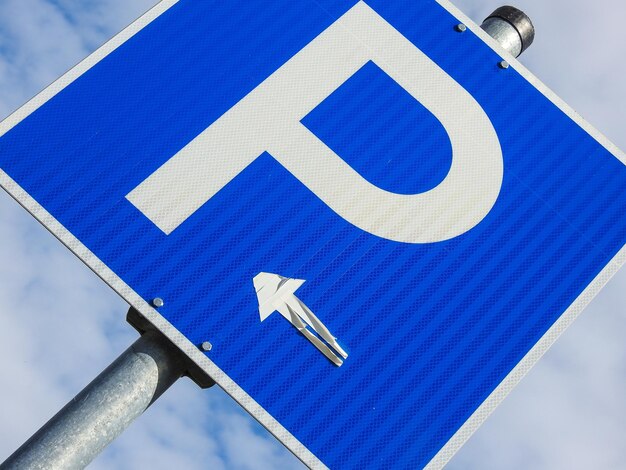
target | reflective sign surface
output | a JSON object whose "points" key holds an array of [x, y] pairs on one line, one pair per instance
{"points": [[445, 214]]}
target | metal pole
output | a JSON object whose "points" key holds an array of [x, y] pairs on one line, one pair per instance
{"points": [[512, 28], [107, 406]]}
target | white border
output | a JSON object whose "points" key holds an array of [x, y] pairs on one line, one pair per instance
{"points": [[298, 449]]}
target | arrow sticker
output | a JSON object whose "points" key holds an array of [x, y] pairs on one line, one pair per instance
{"points": [[277, 293]]}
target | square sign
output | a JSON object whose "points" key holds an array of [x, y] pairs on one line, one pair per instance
{"points": [[377, 228]]}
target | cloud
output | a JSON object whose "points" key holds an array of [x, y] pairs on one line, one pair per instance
{"points": [[41, 39], [569, 412]]}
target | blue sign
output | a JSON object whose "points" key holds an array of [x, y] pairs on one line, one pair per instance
{"points": [[370, 221]]}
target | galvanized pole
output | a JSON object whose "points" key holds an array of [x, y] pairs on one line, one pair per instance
{"points": [[107, 406], [512, 28]]}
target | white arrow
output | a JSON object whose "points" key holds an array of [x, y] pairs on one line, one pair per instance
{"points": [[276, 293]]}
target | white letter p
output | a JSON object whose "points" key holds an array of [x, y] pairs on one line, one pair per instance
{"points": [[268, 119]]}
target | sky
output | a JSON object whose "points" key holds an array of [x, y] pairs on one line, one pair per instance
{"points": [[60, 325]]}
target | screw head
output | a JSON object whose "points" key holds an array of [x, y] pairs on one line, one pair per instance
{"points": [[461, 28], [503, 64], [206, 346], [158, 302]]}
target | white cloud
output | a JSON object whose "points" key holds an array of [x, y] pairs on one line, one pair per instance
{"points": [[37, 44], [569, 412]]}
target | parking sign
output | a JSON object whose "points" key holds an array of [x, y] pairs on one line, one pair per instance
{"points": [[376, 227]]}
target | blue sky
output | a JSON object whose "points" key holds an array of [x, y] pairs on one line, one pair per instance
{"points": [[60, 325]]}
